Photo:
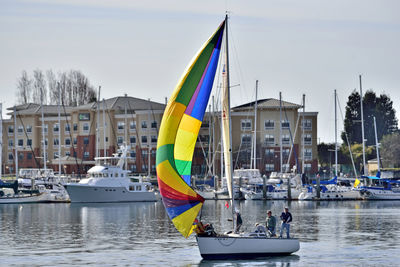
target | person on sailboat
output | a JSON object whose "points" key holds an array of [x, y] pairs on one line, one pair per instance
{"points": [[286, 218], [271, 223], [239, 221]]}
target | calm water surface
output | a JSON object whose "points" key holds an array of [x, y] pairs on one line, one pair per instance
{"points": [[353, 233]]}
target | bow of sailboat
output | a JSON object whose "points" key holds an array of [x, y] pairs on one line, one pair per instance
{"points": [[178, 133]]}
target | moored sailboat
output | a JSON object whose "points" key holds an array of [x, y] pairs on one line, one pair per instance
{"points": [[177, 138]]}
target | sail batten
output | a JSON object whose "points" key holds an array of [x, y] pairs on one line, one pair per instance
{"points": [[178, 133]]}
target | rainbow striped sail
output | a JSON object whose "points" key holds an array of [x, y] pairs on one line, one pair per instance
{"points": [[178, 133]]}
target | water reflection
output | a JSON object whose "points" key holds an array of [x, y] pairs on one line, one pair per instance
{"points": [[331, 233]]}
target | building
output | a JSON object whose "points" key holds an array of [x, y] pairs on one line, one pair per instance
{"points": [[84, 132], [98, 129]]}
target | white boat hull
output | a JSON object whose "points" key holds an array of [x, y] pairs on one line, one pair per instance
{"points": [[245, 247], [17, 199], [379, 194], [98, 194]]}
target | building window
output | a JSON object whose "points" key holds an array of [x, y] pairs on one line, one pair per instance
{"points": [[285, 152], [75, 140], [86, 127], [133, 168], [56, 128], [120, 126], [285, 139], [55, 155], [132, 139], [10, 143], [154, 125], [307, 167], [204, 138], [29, 156], [308, 154], [29, 129], [144, 139], [154, 139], [46, 128], [56, 142], [86, 154], [20, 156], [285, 124], [307, 139], [29, 142], [133, 154], [269, 124], [120, 140], [10, 156], [20, 129], [269, 152], [269, 139], [75, 127], [10, 129], [132, 125], [67, 127], [245, 124], [144, 124], [307, 124], [85, 140], [20, 142], [46, 141], [67, 153], [67, 142], [246, 139], [269, 167], [285, 167]]}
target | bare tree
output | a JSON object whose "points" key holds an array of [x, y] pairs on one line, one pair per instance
{"points": [[52, 87], [39, 87], [24, 86]]}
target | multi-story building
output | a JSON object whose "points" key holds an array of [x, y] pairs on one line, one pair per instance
{"points": [[298, 138], [86, 132]]}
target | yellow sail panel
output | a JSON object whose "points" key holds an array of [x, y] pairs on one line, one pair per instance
{"points": [[184, 221]]}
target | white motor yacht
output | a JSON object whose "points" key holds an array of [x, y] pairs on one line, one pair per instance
{"points": [[108, 182]]}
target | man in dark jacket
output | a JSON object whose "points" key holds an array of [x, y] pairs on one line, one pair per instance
{"points": [[238, 221], [286, 218]]}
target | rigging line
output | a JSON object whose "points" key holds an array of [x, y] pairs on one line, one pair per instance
{"points": [[137, 137], [72, 139], [347, 139], [204, 152], [86, 145], [27, 138], [111, 124], [292, 141]]}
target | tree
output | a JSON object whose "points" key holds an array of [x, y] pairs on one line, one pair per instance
{"points": [[39, 88], [381, 107], [357, 153], [74, 86], [390, 150], [24, 86]]}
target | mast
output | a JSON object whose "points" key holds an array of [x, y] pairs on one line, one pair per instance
{"points": [[148, 142], [302, 133], [98, 124], [336, 145], [280, 130], [1, 139], [377, 146], [126, 132], [15, 142], [43, 136], [59, 131], [104, 128], [362, 127], [226, 125], [213, 140], [255, 131]]}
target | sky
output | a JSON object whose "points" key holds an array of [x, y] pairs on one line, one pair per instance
{"points": [[141, 48]]}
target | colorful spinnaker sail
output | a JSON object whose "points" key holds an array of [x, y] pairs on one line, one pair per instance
{"points": [[178, 133]]}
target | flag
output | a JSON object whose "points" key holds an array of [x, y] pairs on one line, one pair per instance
{"points": [[356, 182]]}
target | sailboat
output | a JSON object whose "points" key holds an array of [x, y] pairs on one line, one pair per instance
{"points": [[177, 138]]}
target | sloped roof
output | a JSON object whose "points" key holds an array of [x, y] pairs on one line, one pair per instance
{"points": [[29, 109], [267, 103], [120, 102]]}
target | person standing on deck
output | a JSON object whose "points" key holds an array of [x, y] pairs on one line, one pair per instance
{"points": [[286, 218], [270, 223], [238, 221]]}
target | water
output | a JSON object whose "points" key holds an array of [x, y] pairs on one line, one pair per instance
{"points": [[351, 233]]}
